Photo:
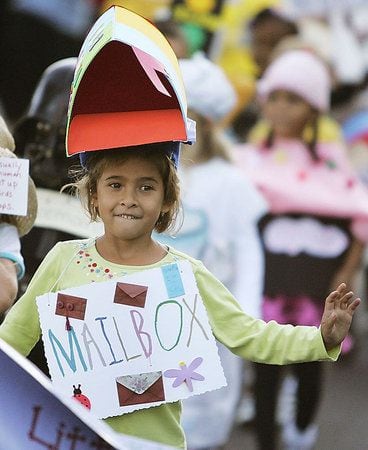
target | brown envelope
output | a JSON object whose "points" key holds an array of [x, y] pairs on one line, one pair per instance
{"points": [[140, 388], [70, 306], [130, 294]]}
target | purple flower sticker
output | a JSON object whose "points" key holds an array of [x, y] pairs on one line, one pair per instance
{"points": [[185, 374]]}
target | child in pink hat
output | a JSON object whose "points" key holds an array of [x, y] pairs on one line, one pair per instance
{"points": [[301, 73], [315, 231]]}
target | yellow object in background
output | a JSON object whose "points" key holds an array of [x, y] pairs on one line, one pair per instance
{"points": [[145, 8], [201, 6]]}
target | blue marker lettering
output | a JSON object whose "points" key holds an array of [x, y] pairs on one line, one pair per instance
{"points": [[101, 319], [69, 359]]}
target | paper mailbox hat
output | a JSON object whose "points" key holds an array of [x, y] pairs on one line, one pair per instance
{"points": [[127, 88]]}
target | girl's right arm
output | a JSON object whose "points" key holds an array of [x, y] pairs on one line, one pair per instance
{"points": [[21, 327]]}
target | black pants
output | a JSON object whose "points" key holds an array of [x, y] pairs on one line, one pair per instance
{"points": [[267, 383]]}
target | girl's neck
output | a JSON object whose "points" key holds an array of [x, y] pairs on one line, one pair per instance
{"points": [[130, 253]]}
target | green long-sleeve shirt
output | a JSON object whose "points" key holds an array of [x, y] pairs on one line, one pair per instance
{"points": [[74, 263]]}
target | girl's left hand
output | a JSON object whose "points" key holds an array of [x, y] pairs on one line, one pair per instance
{"points": [[337, 316]]}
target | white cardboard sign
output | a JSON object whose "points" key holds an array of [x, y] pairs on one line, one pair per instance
{"points": [[134, 342], [14, 186]]}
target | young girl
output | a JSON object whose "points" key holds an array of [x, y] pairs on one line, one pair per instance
{"points": [[135, 191], [313, 235]]}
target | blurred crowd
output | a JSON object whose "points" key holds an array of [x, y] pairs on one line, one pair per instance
{"points": [[279, 91]]}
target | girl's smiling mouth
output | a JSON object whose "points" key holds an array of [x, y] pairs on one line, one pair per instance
{"points": [[127, 216]]}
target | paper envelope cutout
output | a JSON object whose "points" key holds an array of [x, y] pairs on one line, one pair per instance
{"points": [[140, 388], [71, 306], [130, 294]]}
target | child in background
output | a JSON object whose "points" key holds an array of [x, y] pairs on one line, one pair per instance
{"points": [[227, 243], [313, 237], [266, 30], [11, 229], [134, 190]]}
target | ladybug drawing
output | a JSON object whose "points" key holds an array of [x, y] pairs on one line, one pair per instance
{"points": [[77, 394]]}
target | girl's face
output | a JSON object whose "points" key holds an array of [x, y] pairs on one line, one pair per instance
{"points": [[130, 198], [287, 113]]}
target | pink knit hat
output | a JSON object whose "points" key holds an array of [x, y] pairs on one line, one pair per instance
{"points": [[300, 72]]}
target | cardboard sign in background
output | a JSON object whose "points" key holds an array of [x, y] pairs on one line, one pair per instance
{"points": [[14, 186]]}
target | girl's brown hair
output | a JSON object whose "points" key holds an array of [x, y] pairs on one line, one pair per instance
{"points": [[86, 177]]}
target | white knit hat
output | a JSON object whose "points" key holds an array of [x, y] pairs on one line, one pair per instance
{"points": [[208, 90], [300, 72]]}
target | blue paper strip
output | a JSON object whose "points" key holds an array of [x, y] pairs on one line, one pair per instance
{"points": [[172, 278]]}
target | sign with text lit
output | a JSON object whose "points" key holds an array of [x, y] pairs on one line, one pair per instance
{"points": [[37, 416]]}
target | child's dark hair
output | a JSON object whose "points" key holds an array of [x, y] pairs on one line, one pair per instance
{"points": [[267, 14], [86, 178]]}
